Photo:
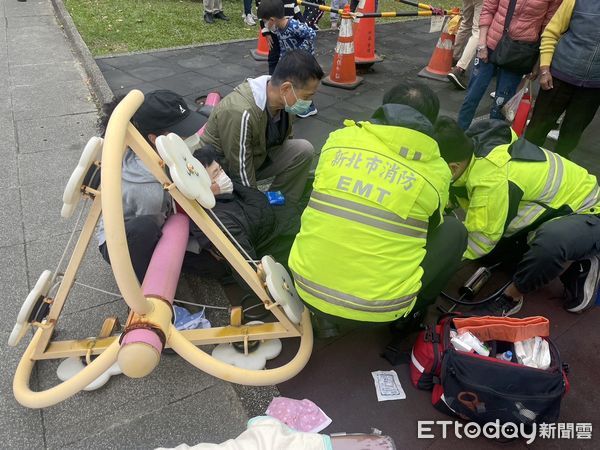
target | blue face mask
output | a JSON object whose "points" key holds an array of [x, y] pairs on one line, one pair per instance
{"points": [[300, 107]]}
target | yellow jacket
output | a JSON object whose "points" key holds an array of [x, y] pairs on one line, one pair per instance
{"points": [[515, 186], [363, 234]]}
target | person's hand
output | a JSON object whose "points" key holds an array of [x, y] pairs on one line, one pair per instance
{"points": [[214, 187], [534, 73], [269, 39], [546, 78], [482, 54]]}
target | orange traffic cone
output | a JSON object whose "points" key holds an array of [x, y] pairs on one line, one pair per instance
{"points": [[441, 60], [364, 43], [261, 53], [343, 70]]}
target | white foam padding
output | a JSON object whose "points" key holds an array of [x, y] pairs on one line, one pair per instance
{"points": [[281, 287], [72, 366], [41, 289], [72, 192], [188, 174], [257, 360]]}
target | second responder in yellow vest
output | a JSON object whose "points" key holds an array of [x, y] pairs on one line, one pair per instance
{"points": [[373, 241], [527, 201]]}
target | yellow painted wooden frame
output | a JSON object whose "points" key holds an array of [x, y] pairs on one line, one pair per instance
{"points": [[120, 135]]}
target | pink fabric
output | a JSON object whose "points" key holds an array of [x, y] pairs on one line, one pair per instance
{"points": [[300, 415], [144, 336], [212, 99], [528, 21], [163, 272]]}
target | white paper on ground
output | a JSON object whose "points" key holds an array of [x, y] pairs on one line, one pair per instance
{"points": [[388, 385]]}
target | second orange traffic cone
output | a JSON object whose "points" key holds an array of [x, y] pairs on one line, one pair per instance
{"points": [[441, 60], [343, 70], [261, 53], [364, 41]]}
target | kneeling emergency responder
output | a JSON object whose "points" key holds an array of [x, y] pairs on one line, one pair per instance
{"points": [[515, 192], [373, 240]]}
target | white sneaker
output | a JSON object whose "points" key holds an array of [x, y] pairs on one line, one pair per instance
{"points": [[248, 20]]}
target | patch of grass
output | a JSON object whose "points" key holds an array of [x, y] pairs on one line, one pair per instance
{"points": [[119, 26]]}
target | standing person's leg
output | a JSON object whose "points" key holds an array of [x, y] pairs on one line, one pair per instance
{"points": [[247, 15], [471, 46], [289, 163], [335, 17], [209, 10], [580, 112], [218, 10], [467, 46], [274, 53], [549, 105], [483, 72], [574, 238], [247, 8], [506, 87], [464, 30], [142, 235], [445, 247]]}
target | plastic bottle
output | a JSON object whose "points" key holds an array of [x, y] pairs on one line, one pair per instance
{"points": [[506, 356]]}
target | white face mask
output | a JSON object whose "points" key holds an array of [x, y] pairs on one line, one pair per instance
{"points": [[193, 142], [224, 182]]}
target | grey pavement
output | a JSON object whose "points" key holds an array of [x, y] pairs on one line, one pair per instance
{"points": [[46, 116]]}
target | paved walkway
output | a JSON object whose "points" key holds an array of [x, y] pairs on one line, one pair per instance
{"points": [[46, 116]]}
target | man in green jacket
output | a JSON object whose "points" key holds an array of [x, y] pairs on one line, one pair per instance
{"points": [[373, 241], [252, 126], [514, 191]]}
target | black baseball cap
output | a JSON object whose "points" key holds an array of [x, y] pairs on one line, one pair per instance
{"points": [[166, 110]]}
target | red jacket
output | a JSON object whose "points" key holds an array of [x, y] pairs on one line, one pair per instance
{"points": [[528, 21]]}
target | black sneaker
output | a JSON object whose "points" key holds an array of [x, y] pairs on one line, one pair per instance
{"points": [[458, 77], [581, 282], [208, 18], [502, 306], [221, 15]]}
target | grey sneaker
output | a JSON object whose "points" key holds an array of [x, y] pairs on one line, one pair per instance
{"points": [[458, 77], [581, 281], [502, 306]]}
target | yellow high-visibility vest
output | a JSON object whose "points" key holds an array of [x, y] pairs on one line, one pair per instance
{"points": [[517, 187], [363, 234]]}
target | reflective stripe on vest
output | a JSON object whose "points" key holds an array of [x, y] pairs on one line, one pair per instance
{"points": [[528, 211], [351, 301], [590, 200], [480, 244], [555, 176], [368, 215]]}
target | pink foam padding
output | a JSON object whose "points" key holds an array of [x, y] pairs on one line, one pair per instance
{"points": [[163, 272], [212, 99], [144, 336]]}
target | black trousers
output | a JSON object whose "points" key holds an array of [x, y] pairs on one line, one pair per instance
{"points": [[554, 243], [143, 233], [445, 247], [579, 105]]}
